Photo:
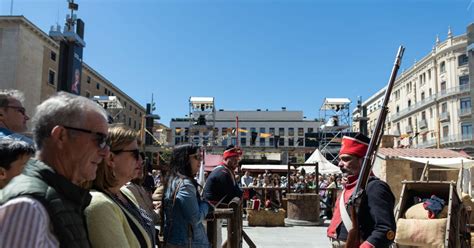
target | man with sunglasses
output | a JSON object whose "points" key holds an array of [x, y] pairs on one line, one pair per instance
{"points": [[44, 206], [13, 116]]}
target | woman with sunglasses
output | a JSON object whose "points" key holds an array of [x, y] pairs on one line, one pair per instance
{"points": [[184, 210], [114, 218]]}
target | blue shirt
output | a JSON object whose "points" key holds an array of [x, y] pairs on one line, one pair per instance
{"points": [[7, 134], [184, 214]]}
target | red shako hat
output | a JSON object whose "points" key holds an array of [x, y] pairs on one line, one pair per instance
{"points": [[356, 146], [232, 152]]}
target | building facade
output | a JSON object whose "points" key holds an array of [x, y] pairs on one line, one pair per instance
{"points": [[258, 129], [29, 61], [430, 104]]}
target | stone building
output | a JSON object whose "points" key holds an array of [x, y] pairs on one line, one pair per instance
{"points": [[29, 60]]}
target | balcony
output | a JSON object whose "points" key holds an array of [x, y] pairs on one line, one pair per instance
{"points": [[465, 112], [443, 117], [427, 143], [456, 138], [431, 99], [422, 124]]}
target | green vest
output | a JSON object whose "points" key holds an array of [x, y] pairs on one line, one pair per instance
{"points": [[64, 201]]}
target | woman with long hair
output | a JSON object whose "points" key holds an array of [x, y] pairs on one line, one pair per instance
{"points": [[114, 218], [184, 210]]}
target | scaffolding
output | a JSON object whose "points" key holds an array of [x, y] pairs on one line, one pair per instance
{"points": [[336, 113], [111, 104], [202, 120]]}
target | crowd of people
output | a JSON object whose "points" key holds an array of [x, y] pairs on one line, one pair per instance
{"points": [[79, 181]]}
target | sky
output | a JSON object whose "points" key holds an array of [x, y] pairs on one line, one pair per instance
{"points": [[251, 54]]}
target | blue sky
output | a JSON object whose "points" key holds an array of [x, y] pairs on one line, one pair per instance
{"points": [[251, 54]]}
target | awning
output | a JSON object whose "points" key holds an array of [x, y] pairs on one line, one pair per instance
{"points": [[444, 162]]}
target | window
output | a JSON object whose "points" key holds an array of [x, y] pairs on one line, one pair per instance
{"points": [[431, 112], [442, 67], [444, 107], [97, 86], [271, 130], [464, 82], [310, 130], [262, 141], [430, 92], [243, 133], [52, 55], [130, 108], [466, 131], [88, 94], [106, 91], [271, 141], [134, 124], [398, 108], [422, 96], [51, 77], [224, 142], [300, 142], [224, 131], [445, 131], [409, 102], [281, 142], [465, 103], [262, 130], [233, 141], [135, 111], [443, 87], [462, 60], [243, 141], [88, 79], [300, 131], [423, 115], [281, 131], [291, 131], [291, 141], [429, 74], [177, 140], [129, 121]]}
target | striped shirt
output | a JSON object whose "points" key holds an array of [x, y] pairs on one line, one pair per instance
{"points": [[24, 222]]}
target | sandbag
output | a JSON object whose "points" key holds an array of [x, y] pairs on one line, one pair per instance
{"points": [[421, 232], [417, 211]]}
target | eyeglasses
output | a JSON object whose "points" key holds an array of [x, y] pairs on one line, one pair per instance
{"points": [[135, 152], [100, 137], [196, 156], [22, 110]]}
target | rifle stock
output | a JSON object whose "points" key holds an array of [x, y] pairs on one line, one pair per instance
{"points": [[353, 205]]}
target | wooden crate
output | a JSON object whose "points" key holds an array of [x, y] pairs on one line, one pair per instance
{"points": [[266, 217]]}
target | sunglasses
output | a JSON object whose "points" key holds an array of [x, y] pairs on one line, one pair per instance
{"points": [[101, 138], [135, 152], [22, 110], [196, 156]]}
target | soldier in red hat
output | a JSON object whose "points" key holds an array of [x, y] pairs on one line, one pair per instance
{"points": [[376, 218], [221, 183]]}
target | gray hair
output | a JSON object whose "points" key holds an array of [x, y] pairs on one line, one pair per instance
{"points": [[61, 109], [5, 96]]}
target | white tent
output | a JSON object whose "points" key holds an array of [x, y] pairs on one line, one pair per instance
{"points": [[324, 166]]}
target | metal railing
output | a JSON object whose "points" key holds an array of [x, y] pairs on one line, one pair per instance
{"points": [[442, 94]]}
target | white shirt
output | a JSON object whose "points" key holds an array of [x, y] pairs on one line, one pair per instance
{"points": [[24, 222]]}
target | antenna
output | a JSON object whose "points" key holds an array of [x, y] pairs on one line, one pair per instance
{"points": [[11, 7]]}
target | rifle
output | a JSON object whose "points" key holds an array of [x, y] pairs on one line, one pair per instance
{"points": [[353, 205]]}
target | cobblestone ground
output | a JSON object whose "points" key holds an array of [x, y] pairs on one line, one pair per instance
{"points": [[292, 236]]}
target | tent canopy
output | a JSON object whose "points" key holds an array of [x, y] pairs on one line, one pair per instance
{"points": [[444, 162], [324, 166]]}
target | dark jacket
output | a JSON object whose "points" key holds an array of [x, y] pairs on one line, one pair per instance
{"points": [[220, 183], [64, 201], [376, 217]]}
